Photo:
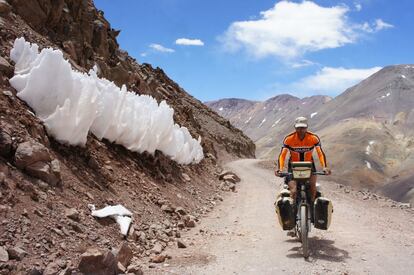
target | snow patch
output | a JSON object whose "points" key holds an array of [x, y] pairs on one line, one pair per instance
{"points": [[248, 120], [276, 122], [221, 109], [368, 148], [403, 76], [368, 164], [384, 96], [71, 104], [313, 114], [263, 121], [118, 212]]}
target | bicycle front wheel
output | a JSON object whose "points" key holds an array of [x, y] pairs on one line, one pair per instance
{"points": [[304, 230]]}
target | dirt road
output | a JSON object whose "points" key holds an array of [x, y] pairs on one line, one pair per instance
{"points": [[242, 235]]}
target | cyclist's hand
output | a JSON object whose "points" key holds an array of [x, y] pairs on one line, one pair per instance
{"points": [[327, 171], [278, 173]]}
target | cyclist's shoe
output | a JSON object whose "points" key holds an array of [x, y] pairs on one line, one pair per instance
{"points": [[291, 233]]}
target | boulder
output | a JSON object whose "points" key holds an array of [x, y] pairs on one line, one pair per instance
{"points": [[158, 259], [5, 142], [97, 262], [30, 152], [5, 7], [124, 254], [180, 211], [34, 158], [157, 249], [5, 67], [16, 253], [186, 177], [4, 255], [181, 244], [72, 213]]}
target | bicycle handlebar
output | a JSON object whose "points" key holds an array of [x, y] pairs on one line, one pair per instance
{"points": [[286, 174]]}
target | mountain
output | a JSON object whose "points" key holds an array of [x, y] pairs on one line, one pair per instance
{"points": [[366, 132], [267, 122], [48, 188]]}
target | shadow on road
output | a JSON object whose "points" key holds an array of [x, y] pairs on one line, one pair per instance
{"points": [[320, 249]]}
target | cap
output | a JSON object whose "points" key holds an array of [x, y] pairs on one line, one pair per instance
{"points": [[301, 122]]}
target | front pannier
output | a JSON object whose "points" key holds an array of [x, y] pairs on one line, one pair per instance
{"points": [[323, 209], [285, 212]]}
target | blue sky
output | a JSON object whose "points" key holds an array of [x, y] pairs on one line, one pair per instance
{"points": [[256, 49]]}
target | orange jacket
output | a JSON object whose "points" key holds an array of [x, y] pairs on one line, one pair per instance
{"points": [[301, 150]]}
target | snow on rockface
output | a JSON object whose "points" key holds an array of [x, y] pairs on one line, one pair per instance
{"points": [[71, 104]]}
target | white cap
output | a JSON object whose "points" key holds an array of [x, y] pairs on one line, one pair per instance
{"points": [[301, 122]]}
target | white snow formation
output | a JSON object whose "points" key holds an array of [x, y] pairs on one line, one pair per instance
{"points": [[72, 103], [368, 164], [313, 114], [118, 212], [276, 122], [261, 123]]}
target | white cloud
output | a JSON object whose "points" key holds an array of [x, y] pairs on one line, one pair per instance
{"points": [[380, 25], [332, 81], [289, 30], [189, 42], [160, 48], [302, 63], [143, 54], [358, 6]]}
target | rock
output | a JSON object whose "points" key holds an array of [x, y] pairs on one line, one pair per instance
{"points": [[72, 213], [95, 261], [158, 259], [52, 269], [180, 225], [157, 249], [189, 221], [166, 208], [30, 152], [5, 67], [2, 177], [38, 212], [229, 176], [5, 7], [120, 268], [124, 254], [181, 244], [180, 211], [5, 142], [8, 93], [36, 160], [4, 255], [135, 269], [186, 177], [35, 271], [404, 205], [16, 253]]}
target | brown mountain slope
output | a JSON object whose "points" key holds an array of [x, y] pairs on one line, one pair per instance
{"points": [[45, 187]]}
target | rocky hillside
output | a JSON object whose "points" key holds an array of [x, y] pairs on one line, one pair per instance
{"points": [[45, 187], [366, 131]]}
